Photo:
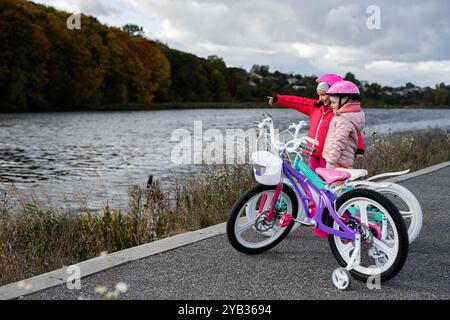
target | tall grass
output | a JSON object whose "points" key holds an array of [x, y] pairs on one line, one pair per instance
{"points": [[408, 150], [34, 240]]}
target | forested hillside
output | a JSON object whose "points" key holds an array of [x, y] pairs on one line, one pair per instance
{"points": [[46, 66]]}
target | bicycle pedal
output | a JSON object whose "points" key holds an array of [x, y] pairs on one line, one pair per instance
{"points": [[285, 220]]}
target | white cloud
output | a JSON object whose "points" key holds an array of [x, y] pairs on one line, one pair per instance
{"points": [[423, 73], [309, 50], [91, 7], [297, 35]]}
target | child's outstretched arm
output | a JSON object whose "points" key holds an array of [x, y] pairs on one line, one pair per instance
{"points": [[360, 149], [303, 105]]}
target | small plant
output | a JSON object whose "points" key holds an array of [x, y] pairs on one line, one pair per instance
{"points": [[105, 294]]}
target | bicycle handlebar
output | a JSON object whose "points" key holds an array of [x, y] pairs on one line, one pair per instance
{"points": [[291, 145]]}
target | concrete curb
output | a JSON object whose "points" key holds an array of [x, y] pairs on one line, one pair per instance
{"points": [[418, 172], [89, 267]]}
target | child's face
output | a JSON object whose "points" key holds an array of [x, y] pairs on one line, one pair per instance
{"points": [[323, 97], [334, 103], [334, 106]]}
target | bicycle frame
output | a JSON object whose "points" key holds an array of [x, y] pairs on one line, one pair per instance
{"points": [[325, 199], [324, 196], [308, 188]]}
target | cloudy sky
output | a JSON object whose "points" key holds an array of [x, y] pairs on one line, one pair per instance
{"points": [[306, 37]]}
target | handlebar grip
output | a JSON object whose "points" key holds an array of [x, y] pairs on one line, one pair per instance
{"points": [[309, 148], [312, 141]]}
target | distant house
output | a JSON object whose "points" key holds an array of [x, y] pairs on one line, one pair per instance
{"points": [[254, 79], [292, 81], [255, 76], [407, 91], [295, 83]]}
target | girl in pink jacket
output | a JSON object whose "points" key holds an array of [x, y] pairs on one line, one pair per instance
{"points": [[320, 114], [348, 121]]}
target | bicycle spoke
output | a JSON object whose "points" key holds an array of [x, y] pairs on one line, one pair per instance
{"points": [[270, 233], [246, 226], [363, 212], [406, 214], [384, 248], [347, 248]]}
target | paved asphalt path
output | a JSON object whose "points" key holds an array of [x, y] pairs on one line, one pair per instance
{"points": [[298, 268]]}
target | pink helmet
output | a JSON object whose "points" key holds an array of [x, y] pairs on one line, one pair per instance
{"points": [[329, 78], [343, 88]]}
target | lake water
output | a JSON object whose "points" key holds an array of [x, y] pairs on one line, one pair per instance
{"points": [[64, 156]]}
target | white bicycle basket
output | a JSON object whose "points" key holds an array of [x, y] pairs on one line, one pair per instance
{"points": [[267, 167]]}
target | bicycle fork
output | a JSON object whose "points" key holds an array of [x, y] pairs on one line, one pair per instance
{"points": [[341, 276], [356, 255], [271, 213], [286, 218]]}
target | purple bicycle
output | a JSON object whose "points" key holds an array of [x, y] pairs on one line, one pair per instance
{"points": [[363, 246]]}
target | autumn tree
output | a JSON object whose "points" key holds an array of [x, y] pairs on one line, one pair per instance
{"points": [[133, 30]]}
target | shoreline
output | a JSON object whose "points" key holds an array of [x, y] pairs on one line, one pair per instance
{"points": [[192, 106]]}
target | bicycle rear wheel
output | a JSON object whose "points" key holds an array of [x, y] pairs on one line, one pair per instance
{"points": [[408, 206], [384, 246]]}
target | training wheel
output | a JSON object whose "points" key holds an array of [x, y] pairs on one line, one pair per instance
{"points": [[341, 278]]}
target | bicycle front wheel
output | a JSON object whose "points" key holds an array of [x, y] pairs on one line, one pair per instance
{"points": [[247, 228]]}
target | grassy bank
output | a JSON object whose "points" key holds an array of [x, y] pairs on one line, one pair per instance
{"points": [[35, 239], [409, 150]]}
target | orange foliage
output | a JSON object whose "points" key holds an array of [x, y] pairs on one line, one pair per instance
{"points": [[43, 65]]}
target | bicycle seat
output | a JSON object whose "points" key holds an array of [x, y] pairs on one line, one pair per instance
{"points": [[355, 173], [331, 175]]}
